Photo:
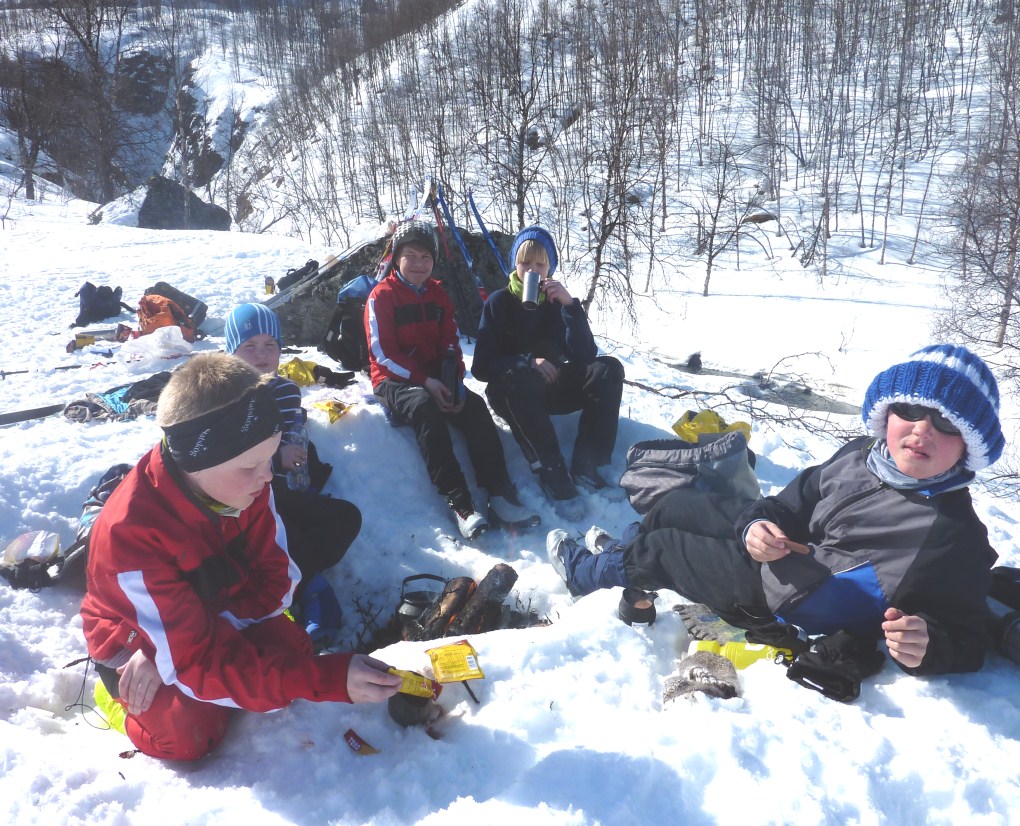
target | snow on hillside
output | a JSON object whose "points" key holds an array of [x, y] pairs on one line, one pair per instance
{"points": [[570, 727]]}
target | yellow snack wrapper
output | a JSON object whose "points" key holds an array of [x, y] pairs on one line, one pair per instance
{"points": [[416, 684], [334, 409], [455, 663], [299, 371]]}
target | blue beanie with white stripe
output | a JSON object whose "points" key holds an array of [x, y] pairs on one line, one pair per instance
{"points": [[250, 320], [955, 382]]}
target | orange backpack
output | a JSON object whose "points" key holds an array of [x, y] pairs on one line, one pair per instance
{"points": [[155, 311]]}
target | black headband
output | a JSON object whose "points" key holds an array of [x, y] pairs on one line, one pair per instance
{"points": [[224, 433]]}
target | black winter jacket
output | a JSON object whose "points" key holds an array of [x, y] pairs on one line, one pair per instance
{"points": [[509, 335]]}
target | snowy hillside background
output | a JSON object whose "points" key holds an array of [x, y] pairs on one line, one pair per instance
{"points": [[570, 727]]}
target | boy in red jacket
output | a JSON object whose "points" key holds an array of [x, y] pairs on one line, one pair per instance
{"points": [[410, 329], [189, 576]]}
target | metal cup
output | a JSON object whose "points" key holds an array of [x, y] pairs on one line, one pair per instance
{"points": [[529, 295]]}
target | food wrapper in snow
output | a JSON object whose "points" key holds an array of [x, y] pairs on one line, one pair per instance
{"points": [[416, 685], [455, 663]]}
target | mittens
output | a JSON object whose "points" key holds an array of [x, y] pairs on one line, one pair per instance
{"points": [[330, 378], [835, 666], [702, 672]]}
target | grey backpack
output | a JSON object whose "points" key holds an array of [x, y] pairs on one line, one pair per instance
{"points": [[719, 463]]}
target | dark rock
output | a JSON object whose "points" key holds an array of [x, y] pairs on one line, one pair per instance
{"points": [[142, 83], [169, 205]]}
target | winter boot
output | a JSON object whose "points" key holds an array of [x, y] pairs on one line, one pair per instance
{"points": [[112, 711], [506, 510], [580, 569], [597, 539], [470, 523], [586, 475], [559, 487]]}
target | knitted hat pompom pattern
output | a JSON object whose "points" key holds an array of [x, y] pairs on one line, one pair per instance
{"points": [[541, 236], [952, 380], [250, 320]]}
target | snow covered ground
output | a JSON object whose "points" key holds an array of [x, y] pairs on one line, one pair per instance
{"points": [[570, 727]]}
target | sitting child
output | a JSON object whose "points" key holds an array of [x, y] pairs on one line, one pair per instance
{"points": [[319, 529], [881, 540], [543, 361], [189, 575], [410, 329]]}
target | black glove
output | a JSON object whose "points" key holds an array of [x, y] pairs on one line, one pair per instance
{"points": [[330, 378], [835, 666], [780, 635]]}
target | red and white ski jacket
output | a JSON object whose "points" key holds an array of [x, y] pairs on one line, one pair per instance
{"points": [[169, 576], [409, 331]]}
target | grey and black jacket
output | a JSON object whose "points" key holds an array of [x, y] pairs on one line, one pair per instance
{"points": [[873, 546]]}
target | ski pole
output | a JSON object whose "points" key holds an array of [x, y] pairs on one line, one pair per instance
{"points": [[482, 292], [503, 268]]}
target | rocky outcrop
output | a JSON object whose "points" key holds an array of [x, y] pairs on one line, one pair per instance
{"points": [[305, 311], [169, 205]]}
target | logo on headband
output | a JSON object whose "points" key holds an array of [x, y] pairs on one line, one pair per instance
{"points": [[199, 447]]}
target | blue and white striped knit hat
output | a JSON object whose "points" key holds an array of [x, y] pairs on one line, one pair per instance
{"points": [[250, 320], [955, 382], [540, 235]]}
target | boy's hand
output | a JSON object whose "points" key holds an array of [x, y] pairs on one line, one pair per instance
{"points": [[907, 637], [139, 682], [766, 542], [440, 395], [291, 456], [546, 369], [368, 680], [555, 291]]}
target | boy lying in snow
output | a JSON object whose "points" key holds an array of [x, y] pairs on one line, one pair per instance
{"points": [[880, 540]]}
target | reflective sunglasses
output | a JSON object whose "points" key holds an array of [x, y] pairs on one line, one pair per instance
{"points": [[916, 412]]}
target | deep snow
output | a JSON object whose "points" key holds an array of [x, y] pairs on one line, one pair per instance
{"points": [[570, 727]]}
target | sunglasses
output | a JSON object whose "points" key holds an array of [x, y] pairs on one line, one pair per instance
{"points": [[916, 412]]}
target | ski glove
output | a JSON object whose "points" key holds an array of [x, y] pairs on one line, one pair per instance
{"points": [[333, 379], [835, 666]]}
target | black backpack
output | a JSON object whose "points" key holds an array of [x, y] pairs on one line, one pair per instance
{"points": [[35, 560], [345, 339], [98, 303], [296, 274], [195, 309]]}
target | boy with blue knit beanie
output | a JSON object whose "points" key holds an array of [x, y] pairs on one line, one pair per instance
{"points": [[320, 529], [881, 540], [542, 360]]}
